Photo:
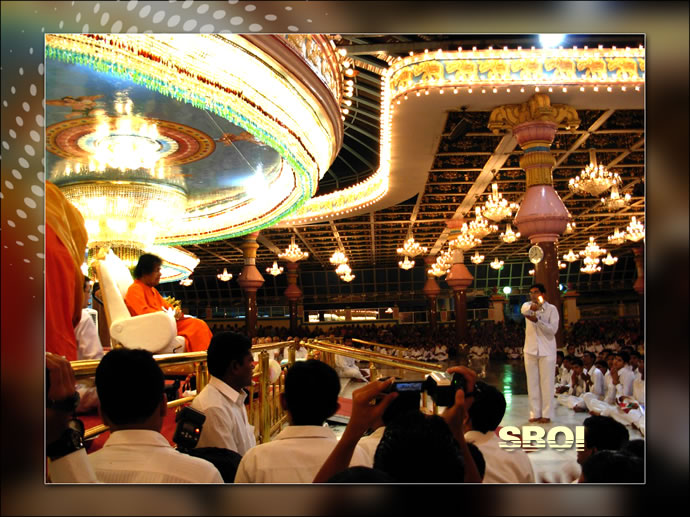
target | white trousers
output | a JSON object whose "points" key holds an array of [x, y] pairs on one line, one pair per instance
{"points": [[540, 385], [571, 401]]}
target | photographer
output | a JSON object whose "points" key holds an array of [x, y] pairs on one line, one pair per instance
{"points": [[364, 414]]}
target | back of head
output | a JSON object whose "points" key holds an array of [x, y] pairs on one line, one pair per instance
{"points": [[613, 467], [311, 392], [416, 448], [576, 361], [361, 475], [404, 402], [604, 433], [224, 348], [488, 408], [130, 385], [634, 448], [146, 264], [478, 458]]}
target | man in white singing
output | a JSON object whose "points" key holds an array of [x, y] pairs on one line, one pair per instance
{"points": [[540, 353]]}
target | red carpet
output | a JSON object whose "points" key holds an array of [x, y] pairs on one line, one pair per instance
{"points": [[345, 407]]}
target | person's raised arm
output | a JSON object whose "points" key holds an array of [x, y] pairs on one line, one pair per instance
{"points": [[364, 414], [548, 322]]}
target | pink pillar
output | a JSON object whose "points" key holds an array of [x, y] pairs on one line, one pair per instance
{"points": [[459, 279], [293, 293], [250, 280], [431, 290]]}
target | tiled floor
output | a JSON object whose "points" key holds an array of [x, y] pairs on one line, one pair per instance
{"points": [[509, 376]]}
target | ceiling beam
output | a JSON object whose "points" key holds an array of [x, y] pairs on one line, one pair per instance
{"points": [[306, 244], [372, 234]]}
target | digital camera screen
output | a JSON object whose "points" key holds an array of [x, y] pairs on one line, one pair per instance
{"points": [[408, 386]]}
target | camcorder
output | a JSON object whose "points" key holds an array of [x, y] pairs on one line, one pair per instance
{"points": [[440, 386], [188, 430]]}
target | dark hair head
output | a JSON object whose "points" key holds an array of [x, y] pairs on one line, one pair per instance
{"points": [[226, 347], [404, 402], [541, 288], [634, 448], [146, 264], [361, 475], [603, 364], [613, 467], [576, 360], [569, 358], [311, 392], [87, 281], [559, 353], [625, 356], [488, 408], [478, 458], [129, 385], [591, 355], [416, 448], [604, 433]]}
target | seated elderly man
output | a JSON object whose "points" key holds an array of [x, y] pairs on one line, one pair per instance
{"points": [[299, 450], [143, 298], [222, 399], [133, 404]]}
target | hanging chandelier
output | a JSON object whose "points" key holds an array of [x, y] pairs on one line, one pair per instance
{"points": [[347, 278], [570, 227], [593, 180], [406, 264], [411, 248], [609, 260], [590, 266], [592, 250], [274, 270], [496, 207], [338, 258], [437, 270], [570, 256], [615, 201], [480, 227], [477, 258], [617, 238], [343, 269], [509, 235], [293, 253], [496, 264], [562, 265], [531, 272], [635, 230], [465, 240], [224, 276], [186, 282]]}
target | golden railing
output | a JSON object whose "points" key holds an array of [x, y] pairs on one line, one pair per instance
{"points": [[265, 409]]}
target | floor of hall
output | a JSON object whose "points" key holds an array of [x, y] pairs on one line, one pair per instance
{"points": [[550, 466]]}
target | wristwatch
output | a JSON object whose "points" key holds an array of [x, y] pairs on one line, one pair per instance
{"points": [[71, 441], [68, 404]]}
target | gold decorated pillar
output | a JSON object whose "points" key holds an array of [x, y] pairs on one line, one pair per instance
{"points": [[542, 216], [459, 279], [431, 291], [293, 293], [570, 310], [250, 280], [497, 303]]}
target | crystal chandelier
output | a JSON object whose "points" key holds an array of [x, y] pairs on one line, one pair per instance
{"points": [[592, 250], [496, 264], [570, 227], [411, 248], [562, 265], [465, 240], [590, 266], [615, 201], [570, 256], [274, 270], [347, 278], [635, 230], [343, 269], [593, 180], [496, 207], [224, 276], [617, 238], [509, 235], [531, 272], [437, 270], [338, 258], [293, 253], [406, 264], [609, 260], [480, 227], [186, 282], [477, 258]]}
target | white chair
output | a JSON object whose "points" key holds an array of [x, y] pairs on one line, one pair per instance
{"points": [[155, 332]]}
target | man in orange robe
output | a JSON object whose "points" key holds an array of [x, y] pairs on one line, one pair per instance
{"points": [[65, 241], [142, 298]]}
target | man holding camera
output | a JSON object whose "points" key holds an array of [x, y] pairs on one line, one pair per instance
{"points": [[541, 325]]}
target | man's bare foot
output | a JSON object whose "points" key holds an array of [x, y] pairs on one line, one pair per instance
{"points": [[579, 410], [534, 419], [544, 420]]}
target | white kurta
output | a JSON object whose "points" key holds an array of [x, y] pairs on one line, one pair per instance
{"points": [[502, 466]]}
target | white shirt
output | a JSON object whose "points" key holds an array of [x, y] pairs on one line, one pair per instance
{"points": [[578, 388], [368, 444], [294, 456], [87, 338], [638, 390], [72, 468], [145, 456], [226, 425], [625, 381], [610, 396], [540, 337], [502, 466], [598, 386]]}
